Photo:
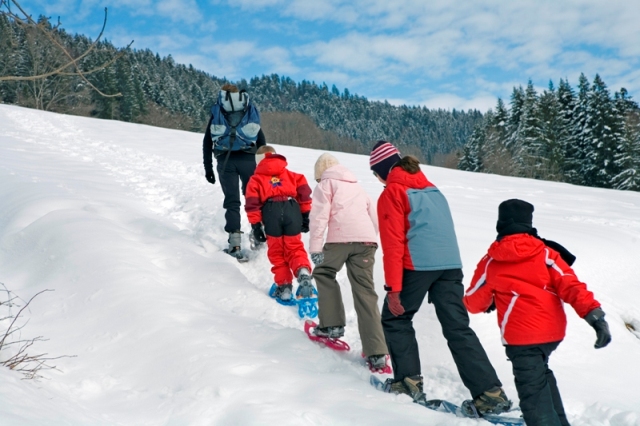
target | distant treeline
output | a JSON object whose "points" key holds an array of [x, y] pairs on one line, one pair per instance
{"points": [[588, 137], [156, 90]]}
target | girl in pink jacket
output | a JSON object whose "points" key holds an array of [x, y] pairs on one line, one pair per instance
{"points": [[344, 210]]}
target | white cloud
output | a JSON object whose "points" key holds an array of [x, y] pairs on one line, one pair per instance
{"points": [[186, 11], [232, 59], [430, 36], [450, 101]]}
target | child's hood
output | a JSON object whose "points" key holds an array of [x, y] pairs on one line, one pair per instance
{"points": [[272, 165], [339, 172], [516, 248]]}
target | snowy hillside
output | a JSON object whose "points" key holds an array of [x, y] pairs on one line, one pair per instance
{"points": [[166, 329]]}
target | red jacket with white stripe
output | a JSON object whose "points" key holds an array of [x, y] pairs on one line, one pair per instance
{"points": [[528, 282], [272, 180]]}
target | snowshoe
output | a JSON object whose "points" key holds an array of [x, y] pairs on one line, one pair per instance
{"points": [[307, 296], [391, 386], [379, 364], [283, 294], [332, 343], [307, 306]]}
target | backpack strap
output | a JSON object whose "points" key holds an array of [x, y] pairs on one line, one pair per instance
{"points": [[229, 99]]}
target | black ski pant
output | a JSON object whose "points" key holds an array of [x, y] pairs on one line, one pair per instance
{"points": [[239, 167], [540, 400], [445, 292]]}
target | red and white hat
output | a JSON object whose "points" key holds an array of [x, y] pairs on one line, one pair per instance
{"points": [[383, 157]]}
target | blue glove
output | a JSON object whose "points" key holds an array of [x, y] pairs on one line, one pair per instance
{"points": [[317, 258]]}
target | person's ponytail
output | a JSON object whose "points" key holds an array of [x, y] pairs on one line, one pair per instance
{"points": [[409, 164]]}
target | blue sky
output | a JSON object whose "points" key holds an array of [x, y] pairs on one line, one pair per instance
{"points": [[440, 54]]}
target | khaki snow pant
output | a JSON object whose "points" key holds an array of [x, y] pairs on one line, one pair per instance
{"points": [[359, 258]]}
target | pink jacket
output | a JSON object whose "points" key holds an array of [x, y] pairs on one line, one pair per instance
{"points": [[341, 204]]}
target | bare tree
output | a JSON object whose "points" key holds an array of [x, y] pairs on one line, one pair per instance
{"points": [[52, 63]]}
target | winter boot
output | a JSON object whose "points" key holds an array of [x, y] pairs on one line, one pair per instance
{"points": [[235, 241], [396, 387], [493, 401], [284, 292], [377, 362], [334, 332], [305, 287], [415, 385], [411, 385]]}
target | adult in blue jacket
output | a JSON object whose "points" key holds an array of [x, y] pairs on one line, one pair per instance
{"points": [[233, 166]]}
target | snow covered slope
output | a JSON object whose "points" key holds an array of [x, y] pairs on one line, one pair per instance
{"points": [[166, 329]]}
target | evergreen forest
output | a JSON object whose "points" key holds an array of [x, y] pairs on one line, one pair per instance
{"points": [[585, 137]]}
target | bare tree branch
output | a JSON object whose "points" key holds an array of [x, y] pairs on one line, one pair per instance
{"points": [[8, 332], [27, 364], [27, 21]]}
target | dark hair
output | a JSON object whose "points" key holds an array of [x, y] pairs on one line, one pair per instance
{"points": [[409, 164]]}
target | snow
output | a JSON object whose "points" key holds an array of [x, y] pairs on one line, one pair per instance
{"points": [[162, 328]]}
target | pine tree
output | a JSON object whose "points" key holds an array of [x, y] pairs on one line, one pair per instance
{"points": [[471, 160], [566, 110], [628, 156], [604, 125], [552, 133], [577, 146], [516, 110], [528, 148]]}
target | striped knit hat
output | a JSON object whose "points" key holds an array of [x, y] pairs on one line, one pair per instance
{"points": [[383, 157]]}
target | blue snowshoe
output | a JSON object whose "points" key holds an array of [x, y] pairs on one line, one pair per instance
{"points": [[283, 294], [307, 296]]}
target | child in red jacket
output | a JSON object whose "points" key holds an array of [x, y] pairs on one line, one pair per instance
{"points": [[527, 279], [281, 200]]}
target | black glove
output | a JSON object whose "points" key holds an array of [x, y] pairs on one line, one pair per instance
{"points": [[491, 307], [595, 318], [211, 178], [305, 222], [258, 233]]}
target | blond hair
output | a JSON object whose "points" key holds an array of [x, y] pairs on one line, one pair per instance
{"points": [[265, 148], [262, 151]]}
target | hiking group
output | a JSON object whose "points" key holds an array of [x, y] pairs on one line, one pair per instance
{"points": [[524, 277]]}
